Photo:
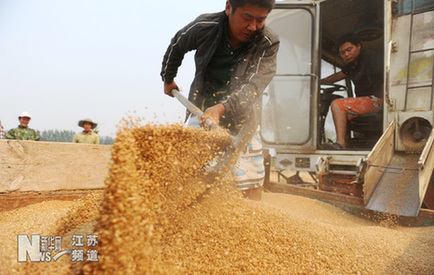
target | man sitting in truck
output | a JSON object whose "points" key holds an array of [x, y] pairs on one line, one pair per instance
{"points": [[365, 68]]}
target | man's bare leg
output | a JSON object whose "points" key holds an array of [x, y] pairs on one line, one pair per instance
{"points": [[340, 120]]}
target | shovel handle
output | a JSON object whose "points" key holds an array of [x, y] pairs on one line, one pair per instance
{"points": [[209, 124]]}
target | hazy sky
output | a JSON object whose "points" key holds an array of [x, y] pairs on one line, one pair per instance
{"points": [[67, 60]]}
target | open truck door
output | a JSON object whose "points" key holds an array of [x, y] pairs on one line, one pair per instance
{"points": [[289, 115]]}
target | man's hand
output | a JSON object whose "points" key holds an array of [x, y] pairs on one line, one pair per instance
{"points": [[214, 113], [168, 87]]}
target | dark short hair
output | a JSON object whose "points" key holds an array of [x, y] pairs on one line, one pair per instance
{"points": [[348, 37], [269, 4]]}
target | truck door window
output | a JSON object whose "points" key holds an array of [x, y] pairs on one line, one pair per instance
{"points": [[288, 97]]}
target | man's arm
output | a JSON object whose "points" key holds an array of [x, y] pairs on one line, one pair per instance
{"points": [[37, 137], [334, 78], [185, 40], [75, 138], [10, 134]]}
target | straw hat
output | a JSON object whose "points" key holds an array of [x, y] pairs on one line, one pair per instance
{"points": [[81, 122]]}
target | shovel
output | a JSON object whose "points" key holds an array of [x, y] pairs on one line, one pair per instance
{"points": [[229, 157]]}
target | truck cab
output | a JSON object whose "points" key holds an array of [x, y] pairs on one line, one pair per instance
{"points": [[297, 126]]}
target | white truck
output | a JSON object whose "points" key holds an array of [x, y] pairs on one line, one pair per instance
{"points": [[388, 166]]}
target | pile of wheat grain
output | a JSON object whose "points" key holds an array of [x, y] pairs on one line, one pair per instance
{"points": [[151, 221], [154, 175]]}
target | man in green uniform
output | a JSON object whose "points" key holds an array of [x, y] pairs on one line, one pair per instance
{"points": [[87, 136], [23, 132]]}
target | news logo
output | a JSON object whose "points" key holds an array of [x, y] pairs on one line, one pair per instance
{"points": [[40, 248]]}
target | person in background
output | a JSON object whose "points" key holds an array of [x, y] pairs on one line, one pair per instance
{"points": [[365, 68], [23, 132], [2, 131], [235, 61], [87, 136]]}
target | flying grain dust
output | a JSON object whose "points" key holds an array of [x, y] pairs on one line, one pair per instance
{"points": [[154, 175]]}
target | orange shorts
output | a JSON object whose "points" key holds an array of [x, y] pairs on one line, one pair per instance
{"points": [[356, 106]]}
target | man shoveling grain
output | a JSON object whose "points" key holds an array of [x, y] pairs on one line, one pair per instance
{"points": [[235, 60]]}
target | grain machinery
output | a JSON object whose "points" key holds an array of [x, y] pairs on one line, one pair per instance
{"points": [[389, 165]]}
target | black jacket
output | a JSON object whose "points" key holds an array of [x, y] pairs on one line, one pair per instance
{"points": [[367, 75], [252, 73]]}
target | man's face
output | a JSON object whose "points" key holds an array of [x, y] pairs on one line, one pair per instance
{"points": [[24, 121], [349, 52], [245, 22], [87, 126]]}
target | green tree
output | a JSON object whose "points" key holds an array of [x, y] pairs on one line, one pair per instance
{"points": [[57, 136], [67, 136], [107, 140]]}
